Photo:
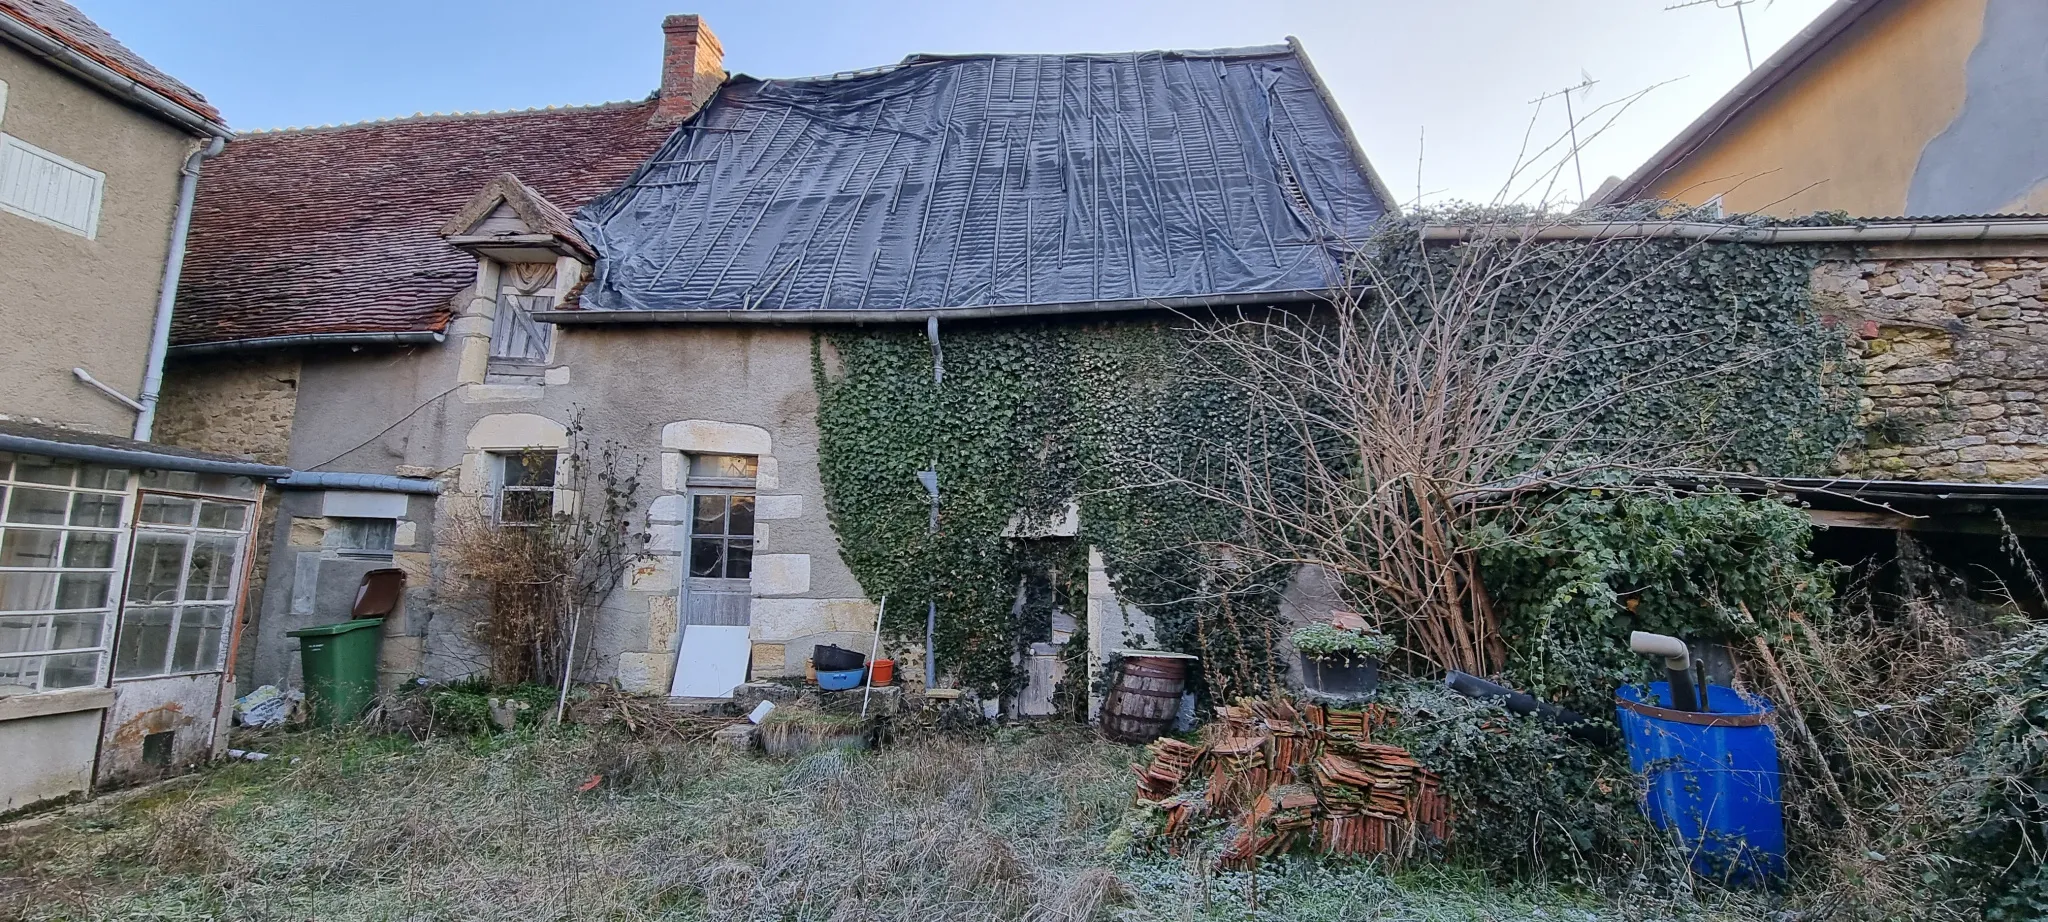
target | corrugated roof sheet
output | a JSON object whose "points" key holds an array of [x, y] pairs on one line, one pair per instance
{"points": [[975, 181], [63, 22], [337, 230]]}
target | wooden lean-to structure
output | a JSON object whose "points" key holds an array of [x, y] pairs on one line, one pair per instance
{"points": [[1280, 777]]}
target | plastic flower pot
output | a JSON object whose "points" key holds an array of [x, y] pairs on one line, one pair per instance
{"points": [[841, 679], [882, 672]]}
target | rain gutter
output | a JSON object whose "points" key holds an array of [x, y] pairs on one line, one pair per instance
{"points": [[382, 483], [138, 458], [921, 315], [406, 338], [66, 58], [1890, 232]]}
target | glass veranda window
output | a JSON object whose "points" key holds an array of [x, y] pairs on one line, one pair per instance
{"points": [[182, 581], [60, 537]]}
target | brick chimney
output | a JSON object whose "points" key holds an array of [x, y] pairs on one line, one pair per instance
{"points": [[692, 66]]}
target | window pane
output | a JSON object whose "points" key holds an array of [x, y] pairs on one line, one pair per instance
{"points": [[37, 469], [143, 642], [38, 507], [35, 633], [27, 591], [70, 670], [710, 514], [168, 510], [18, 675], [171, 480], [529, 469], [29, 547], [526, 506], [96, 510], [724, 466], [158, 568], [88, 551], [707, 558], [742, 520], [224, 516], [83, 590], [102, 477], [198, 641], [212, 569], [739, 560]]}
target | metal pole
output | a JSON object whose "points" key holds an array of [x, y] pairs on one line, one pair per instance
{"points": [[867, 688]]}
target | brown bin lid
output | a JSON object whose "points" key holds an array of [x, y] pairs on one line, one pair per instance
{"points": [[378, 596]]}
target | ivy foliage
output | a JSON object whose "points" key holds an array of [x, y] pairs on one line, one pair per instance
{"points": [[1574, 573], [1034, 414], [1029, 417], [1749, 376]]}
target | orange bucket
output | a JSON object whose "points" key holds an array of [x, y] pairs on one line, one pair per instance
{"points": [[882, 672]]}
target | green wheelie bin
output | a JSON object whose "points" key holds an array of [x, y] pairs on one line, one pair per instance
{"points": [[340, 661]]}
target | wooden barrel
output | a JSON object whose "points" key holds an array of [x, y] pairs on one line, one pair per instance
{"points": [[1143, 701]]}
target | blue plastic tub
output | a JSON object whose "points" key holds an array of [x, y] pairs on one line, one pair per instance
{"points": [[1711, 778], [842, 679]]}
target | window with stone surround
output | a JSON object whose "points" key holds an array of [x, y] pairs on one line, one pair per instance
{"points": [[523, 486]]}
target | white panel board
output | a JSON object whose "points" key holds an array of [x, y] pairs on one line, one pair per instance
{"points": [[712, 662], [363, 504]]}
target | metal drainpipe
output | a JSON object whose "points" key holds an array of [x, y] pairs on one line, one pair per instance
{"points": [[174, 265]]}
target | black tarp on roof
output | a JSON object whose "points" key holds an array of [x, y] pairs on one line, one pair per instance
{"points": [[980, 181]]}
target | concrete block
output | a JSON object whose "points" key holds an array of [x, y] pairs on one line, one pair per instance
{"points": [[663, 627], [782, 574], [664, 538], [745, 697], [778, 506], [769, 476], [362, 504], [767, 661], [517, 430], [418, 567], [308, 531], [704, 436], [671, 471], [738, 736], [653, 574], [883, 700], [646, 673], [503, 393], [781, 619], [406, 534], [556, 376], [671, 509]]}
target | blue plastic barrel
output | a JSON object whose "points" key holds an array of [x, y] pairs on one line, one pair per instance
{"points": [[1711, 778]]}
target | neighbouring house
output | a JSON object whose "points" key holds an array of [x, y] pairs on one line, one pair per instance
{"points": [[1878, 108], [122, 561], [402, 307]]}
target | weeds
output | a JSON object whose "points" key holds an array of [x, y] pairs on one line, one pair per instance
{"points": [[498, 827]]}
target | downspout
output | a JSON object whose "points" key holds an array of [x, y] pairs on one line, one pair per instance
{"points": [[174, 265]]}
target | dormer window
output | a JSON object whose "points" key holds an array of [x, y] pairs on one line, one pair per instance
{"points": [[523, 288]]}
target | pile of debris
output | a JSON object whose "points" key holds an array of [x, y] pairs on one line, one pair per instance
{"points": [[1277, 777]]}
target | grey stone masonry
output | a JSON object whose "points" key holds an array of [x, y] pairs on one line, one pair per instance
{"points": [[1955, 358]]}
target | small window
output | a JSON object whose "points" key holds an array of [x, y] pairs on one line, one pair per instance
{"points": [[722, 516], [44, 187], [525, 484], [368, 538]]}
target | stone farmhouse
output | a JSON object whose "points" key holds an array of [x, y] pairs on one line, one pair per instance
{"points": [[405, 312]]}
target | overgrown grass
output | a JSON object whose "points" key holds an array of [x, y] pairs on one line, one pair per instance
{"points": [[361, 827]]}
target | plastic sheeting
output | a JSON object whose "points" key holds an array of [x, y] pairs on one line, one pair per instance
{"points": [[986, 181]]}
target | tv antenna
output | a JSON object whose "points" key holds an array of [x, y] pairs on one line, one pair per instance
{"points": [[1740, 21], [1585, 83]]}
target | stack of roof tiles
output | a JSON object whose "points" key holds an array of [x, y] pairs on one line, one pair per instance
{"points": [[1282, 777]]}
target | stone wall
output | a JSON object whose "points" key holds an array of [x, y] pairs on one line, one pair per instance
{"points": [[1955, 363], [232, 404]]}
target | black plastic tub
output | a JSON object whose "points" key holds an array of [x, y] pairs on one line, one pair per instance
{"points": [[828, 658]]}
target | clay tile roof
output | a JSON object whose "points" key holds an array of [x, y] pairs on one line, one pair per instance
{"points": [[63, 22], [337, 230]]}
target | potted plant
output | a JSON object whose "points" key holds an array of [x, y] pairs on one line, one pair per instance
{"points": [[1340, 661]]}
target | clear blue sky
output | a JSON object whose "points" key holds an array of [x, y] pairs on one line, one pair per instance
{"points": [[1461, 72]]}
